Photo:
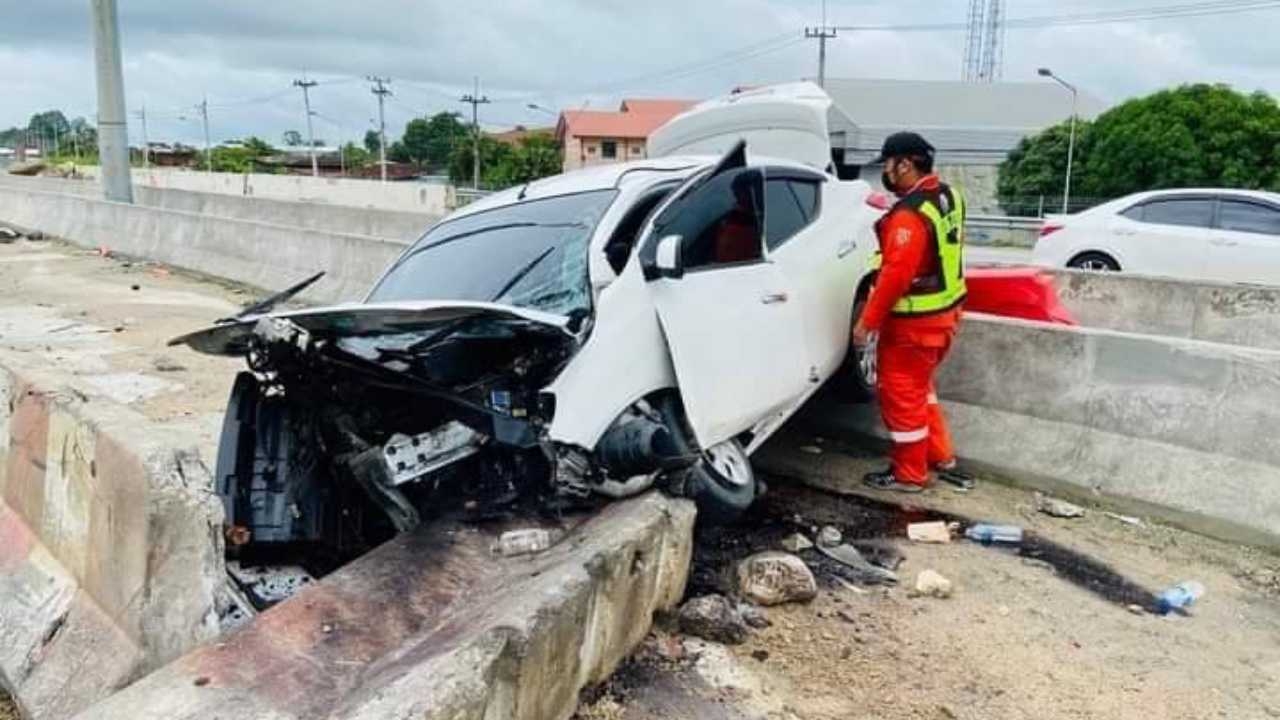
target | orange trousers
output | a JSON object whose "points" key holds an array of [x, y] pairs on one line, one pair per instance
{"points": [[905, 366]]}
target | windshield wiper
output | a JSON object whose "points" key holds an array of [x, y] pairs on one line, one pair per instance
{"points": [[522, 273], [271, 301]]}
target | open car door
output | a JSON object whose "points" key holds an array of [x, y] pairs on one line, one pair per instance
{"points": [[734, 332]]}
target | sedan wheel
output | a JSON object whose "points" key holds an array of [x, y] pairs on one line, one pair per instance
{"points": [[1095, 261]]}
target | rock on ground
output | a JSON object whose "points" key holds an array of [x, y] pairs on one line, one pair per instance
{"points": [[773, 578], [931, 583], [714, 618], [1057, 508], [796, 542]]}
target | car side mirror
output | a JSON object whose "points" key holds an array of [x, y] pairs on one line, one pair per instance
{"points": [[667, 258]]}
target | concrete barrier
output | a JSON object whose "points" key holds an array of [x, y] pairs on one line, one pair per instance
{"points": [[110, 544], [386, 224], [1181, 428], [1234, 314], [264, 255], [402, 196], [431, 625]]}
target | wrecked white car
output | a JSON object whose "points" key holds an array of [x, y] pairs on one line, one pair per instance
{"points": [[591, 334]]}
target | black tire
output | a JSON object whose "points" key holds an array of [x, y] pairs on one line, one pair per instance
{"points": [[1095, 261], [721, 483], [854, 383]]}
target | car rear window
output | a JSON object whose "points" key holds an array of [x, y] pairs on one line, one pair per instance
{"points": [[1186, 212], [1244, 216]]}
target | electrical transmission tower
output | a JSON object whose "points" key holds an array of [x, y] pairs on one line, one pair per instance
{"points": [[984, 41]]}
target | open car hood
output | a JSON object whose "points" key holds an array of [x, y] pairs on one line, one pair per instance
{"points": [[782, 121], [352, 320]]}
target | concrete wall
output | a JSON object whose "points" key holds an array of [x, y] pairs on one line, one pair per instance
{"points": [[260, 254], [110, 544], [388, 224], [402, 196], [1247, 315], [1183, 428]]}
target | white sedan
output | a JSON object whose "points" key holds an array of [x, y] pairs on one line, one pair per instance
{"points": [[1212, 234], [591, 333]]}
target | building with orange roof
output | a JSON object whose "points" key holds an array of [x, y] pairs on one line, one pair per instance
{"points": [[596, 137]]}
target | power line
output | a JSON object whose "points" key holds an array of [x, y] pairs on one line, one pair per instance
{"points": [[1162, 12]]}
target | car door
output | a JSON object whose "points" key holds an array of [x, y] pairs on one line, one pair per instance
{"points": [[1246, 240], [1168, 236], [732, 326]]}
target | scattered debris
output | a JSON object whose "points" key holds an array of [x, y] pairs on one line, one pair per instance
{"points": [[773, 578], [714, 618], [1136, 609], [987, 534], [525, 541], [755, 617], [847, 616], [829, 536], [1003, 611], [1126, 519], [880, 552], [8, 235], [760, 655], [135, 287], [929, 532], [811, 449], [268, 585], [1057, 508], [864, 571], [796, 542], [851, 587], [931, 583], [1179, 597]]}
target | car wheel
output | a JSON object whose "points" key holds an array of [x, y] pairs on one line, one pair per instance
{"points": [[855, 381], [721, 482], [1096, 261]]}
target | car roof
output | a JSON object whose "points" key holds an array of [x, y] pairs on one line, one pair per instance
{"points": [[603, 177], [1136, 198]]}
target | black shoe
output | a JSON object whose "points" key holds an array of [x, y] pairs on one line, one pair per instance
{"points": [[885, 480], [951, 473]]}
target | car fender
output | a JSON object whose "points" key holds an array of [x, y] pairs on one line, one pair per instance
{"points": [[624, 359]]}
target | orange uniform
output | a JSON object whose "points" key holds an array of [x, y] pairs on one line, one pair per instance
{"points": [[910, 347]]}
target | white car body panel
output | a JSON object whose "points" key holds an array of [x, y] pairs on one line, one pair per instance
{"points": [[784, 121], [1149, 248]]}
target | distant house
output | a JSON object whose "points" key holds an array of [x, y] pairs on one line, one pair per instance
{"points": [[972, 125], [595, 137]]}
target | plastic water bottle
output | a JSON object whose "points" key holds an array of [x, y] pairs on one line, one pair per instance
{"points": [[1179, 596], [987, 534], [522, 542]]}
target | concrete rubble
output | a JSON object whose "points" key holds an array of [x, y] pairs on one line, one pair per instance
{"points": [[773, 578]]}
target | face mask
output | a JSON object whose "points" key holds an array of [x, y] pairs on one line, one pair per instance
{"points": [[886, 182]]}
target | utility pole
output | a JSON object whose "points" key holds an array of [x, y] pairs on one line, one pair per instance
{"points": [[146, 145], [203, 107], [311, 138], [380, 89], [113, 129], [476, 100], [822, 33]]}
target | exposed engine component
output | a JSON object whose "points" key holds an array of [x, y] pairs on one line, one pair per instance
{"points": [[412, 458]]}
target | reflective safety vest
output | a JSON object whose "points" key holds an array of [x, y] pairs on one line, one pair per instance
{"points": [[944, 288]]}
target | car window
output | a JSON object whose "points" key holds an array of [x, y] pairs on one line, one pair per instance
{"points": [[1243, 216], [529, 254], [719, 221], [1187, 212], [1134, 213], [789, 205]]}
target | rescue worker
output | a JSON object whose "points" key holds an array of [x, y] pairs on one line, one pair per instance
{"points": [[915, 308]]}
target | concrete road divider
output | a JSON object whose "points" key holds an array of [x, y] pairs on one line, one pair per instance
{"points": [[432, 625], [345, 219], [1228, 313], [1181, 428], [110, 543], [264, 255]]}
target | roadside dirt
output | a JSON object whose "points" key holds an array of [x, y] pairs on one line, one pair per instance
{"points": [[1048, 633], [7, 709]]}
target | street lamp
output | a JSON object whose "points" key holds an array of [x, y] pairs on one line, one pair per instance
{"points": [[539, 108], [1071, 142]]}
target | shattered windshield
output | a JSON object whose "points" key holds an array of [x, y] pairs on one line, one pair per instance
{"points": [[532, 254]]}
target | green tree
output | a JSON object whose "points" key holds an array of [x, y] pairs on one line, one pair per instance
{"points": [[1037, 168], [241, 159], [502, 165], [430, 142], [356, 156], [1193, 135], [48, 124], [292, 138], [371, 141]]}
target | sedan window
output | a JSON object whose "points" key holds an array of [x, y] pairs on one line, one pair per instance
{"points": [[1186, 212], [1242, 216], [789, 205], [719, 221]]}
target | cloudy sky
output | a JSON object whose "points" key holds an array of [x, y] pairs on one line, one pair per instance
{"points": [[244, 54]]}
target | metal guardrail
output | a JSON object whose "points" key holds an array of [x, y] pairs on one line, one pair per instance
{"points": [[1002, 230]]}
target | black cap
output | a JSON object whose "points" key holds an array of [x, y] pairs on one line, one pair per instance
{"points": [[904, 144]]}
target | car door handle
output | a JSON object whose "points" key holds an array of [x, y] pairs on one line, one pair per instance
{"points": [[774, 298], [1223, 242], [1126, 232], [846, 248]]}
